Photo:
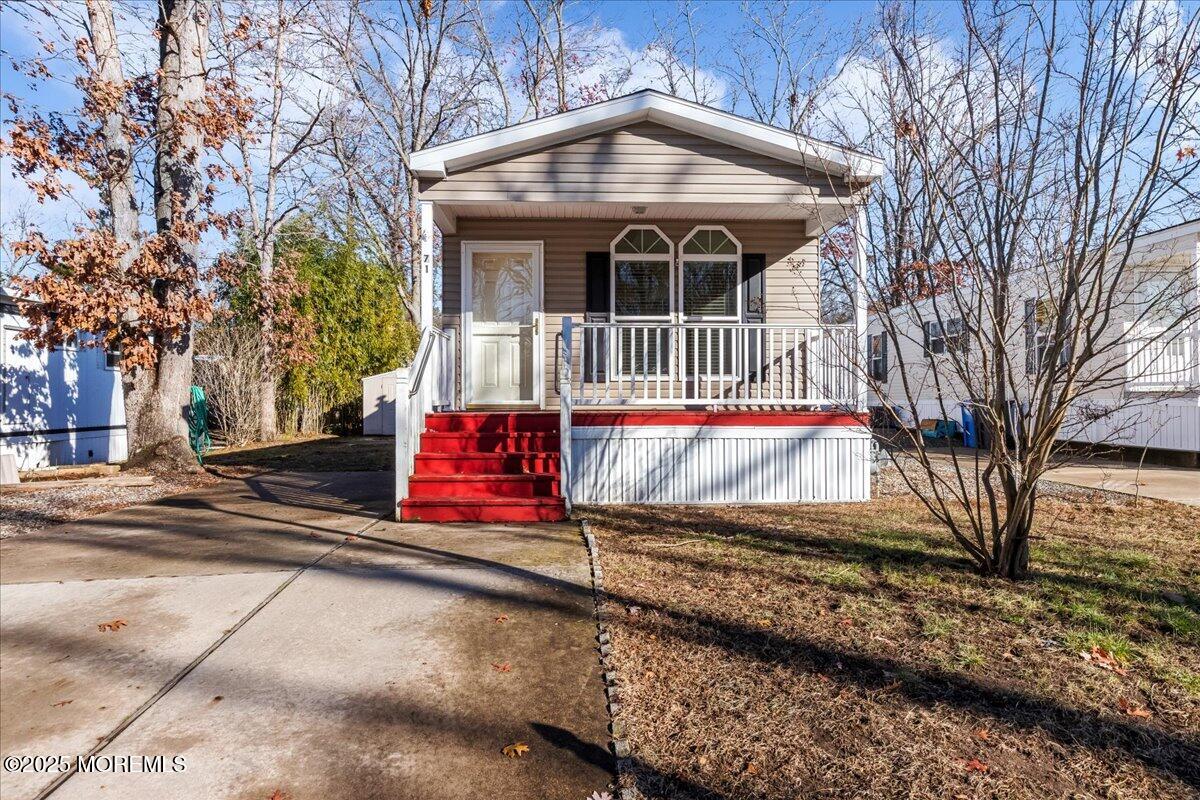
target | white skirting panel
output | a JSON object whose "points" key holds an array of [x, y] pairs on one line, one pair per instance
{"points": [[720, 464], [1162, 425]]}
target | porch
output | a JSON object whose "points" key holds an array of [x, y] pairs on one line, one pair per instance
{"points": [[644, 253]]}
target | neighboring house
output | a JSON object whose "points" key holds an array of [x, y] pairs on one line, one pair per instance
{"points": [[60, 406], [1153, 400], [644, 273]]}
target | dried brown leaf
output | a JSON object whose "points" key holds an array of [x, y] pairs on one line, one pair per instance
{"points": [[515, 750]]}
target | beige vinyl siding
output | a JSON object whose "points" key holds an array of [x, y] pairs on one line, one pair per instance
{"points": [[791, 275], [642, 163]]}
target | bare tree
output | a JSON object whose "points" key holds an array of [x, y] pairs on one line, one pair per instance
{"points": [[1026, 160], [270, 52], [409, 82], [784, 60], [680, 55], [229, 367]]}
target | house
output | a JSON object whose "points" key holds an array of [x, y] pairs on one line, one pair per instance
{"points": [[1150, 397], [630, 314], [60, 406]]}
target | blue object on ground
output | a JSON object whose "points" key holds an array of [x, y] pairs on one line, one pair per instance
{"points": [[968, 426]]}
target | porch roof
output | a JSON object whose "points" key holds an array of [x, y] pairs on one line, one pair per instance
{"points": [[647, 105]]}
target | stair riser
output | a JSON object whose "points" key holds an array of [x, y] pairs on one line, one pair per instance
{"points": [[490, 443], [483, 489], [507, 465], [492, 423], [482, 513]]}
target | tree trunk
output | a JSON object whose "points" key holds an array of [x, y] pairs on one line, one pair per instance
{"points": [[119, 187], [160, 434], [268, 423]]}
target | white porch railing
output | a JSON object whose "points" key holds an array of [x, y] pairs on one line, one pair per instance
{"points": [[1169, 362], [423, 386], [653, 363]]}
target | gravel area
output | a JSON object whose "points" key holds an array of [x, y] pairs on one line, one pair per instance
{"points": [[25, 511], [889, 483]]}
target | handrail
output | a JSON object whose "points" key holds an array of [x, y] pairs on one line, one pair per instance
{"points": [[424, 348], [427, 383]]}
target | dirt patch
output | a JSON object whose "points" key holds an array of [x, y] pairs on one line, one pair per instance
{"points": [[850, 651], [25, 511], [306, 454]]}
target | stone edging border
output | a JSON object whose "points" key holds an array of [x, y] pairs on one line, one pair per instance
{"points": [[619, 744]]}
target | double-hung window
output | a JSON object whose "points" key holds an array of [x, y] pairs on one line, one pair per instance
{"points": [[935, 340], [642, 287], [710, 266], [944, 337], [877, 357]]}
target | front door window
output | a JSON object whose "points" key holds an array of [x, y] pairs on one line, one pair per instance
{"points": [[504, 324]]}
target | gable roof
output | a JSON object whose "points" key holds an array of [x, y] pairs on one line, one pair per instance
{"points": [[648, 104]]}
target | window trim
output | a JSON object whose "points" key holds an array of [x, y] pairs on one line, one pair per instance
{"points": [[736, 258], [668, 258], [616, 367], [881, 359]]}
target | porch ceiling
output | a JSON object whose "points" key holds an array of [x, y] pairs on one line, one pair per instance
{"points": [[818, 214]]}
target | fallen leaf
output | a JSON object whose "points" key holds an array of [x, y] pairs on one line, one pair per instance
{"points": [[823, 678], [502, 667], [975, 765], [766, 623], [351, 538], [502, 619], [983, 734], [115, 625], [846, 622], [1132, 709], [751, 768], [599, 796], [1104, 659], [515, 750], [279, 794], [62, 703]]}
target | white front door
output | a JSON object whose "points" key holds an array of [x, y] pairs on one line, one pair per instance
{"points": [[502, 291]]}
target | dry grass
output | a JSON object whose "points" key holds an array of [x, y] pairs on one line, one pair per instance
{"points": [[320, 453], [849, 651]]}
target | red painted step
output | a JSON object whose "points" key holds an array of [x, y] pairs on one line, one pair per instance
{"points": [[464, 487], [486, 467], [492, 442], [486, 463], [506, 509], [492, 422]]}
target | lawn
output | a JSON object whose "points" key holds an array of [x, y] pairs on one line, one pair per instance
{"points": [[846, 651], [318, 453]]}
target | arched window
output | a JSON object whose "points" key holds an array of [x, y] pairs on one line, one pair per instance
{"points": [[642, 282], [710, 274], [643, 288]]}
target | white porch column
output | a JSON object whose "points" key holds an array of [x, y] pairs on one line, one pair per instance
{"points": [[1196, 322], [860, 303], [403, 456], [426, 305]]}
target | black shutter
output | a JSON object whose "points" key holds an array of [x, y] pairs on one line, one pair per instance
{"points": [[595, 360], [754, 302]]}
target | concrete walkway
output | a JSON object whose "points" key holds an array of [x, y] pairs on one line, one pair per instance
{"points": [[279, 636], [1177, 484]]}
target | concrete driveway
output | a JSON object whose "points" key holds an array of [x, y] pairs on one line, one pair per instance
{"points": [[279, 637], [1177, 484]]}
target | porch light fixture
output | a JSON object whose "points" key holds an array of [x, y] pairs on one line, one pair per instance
{"points": [[639, 210]]}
